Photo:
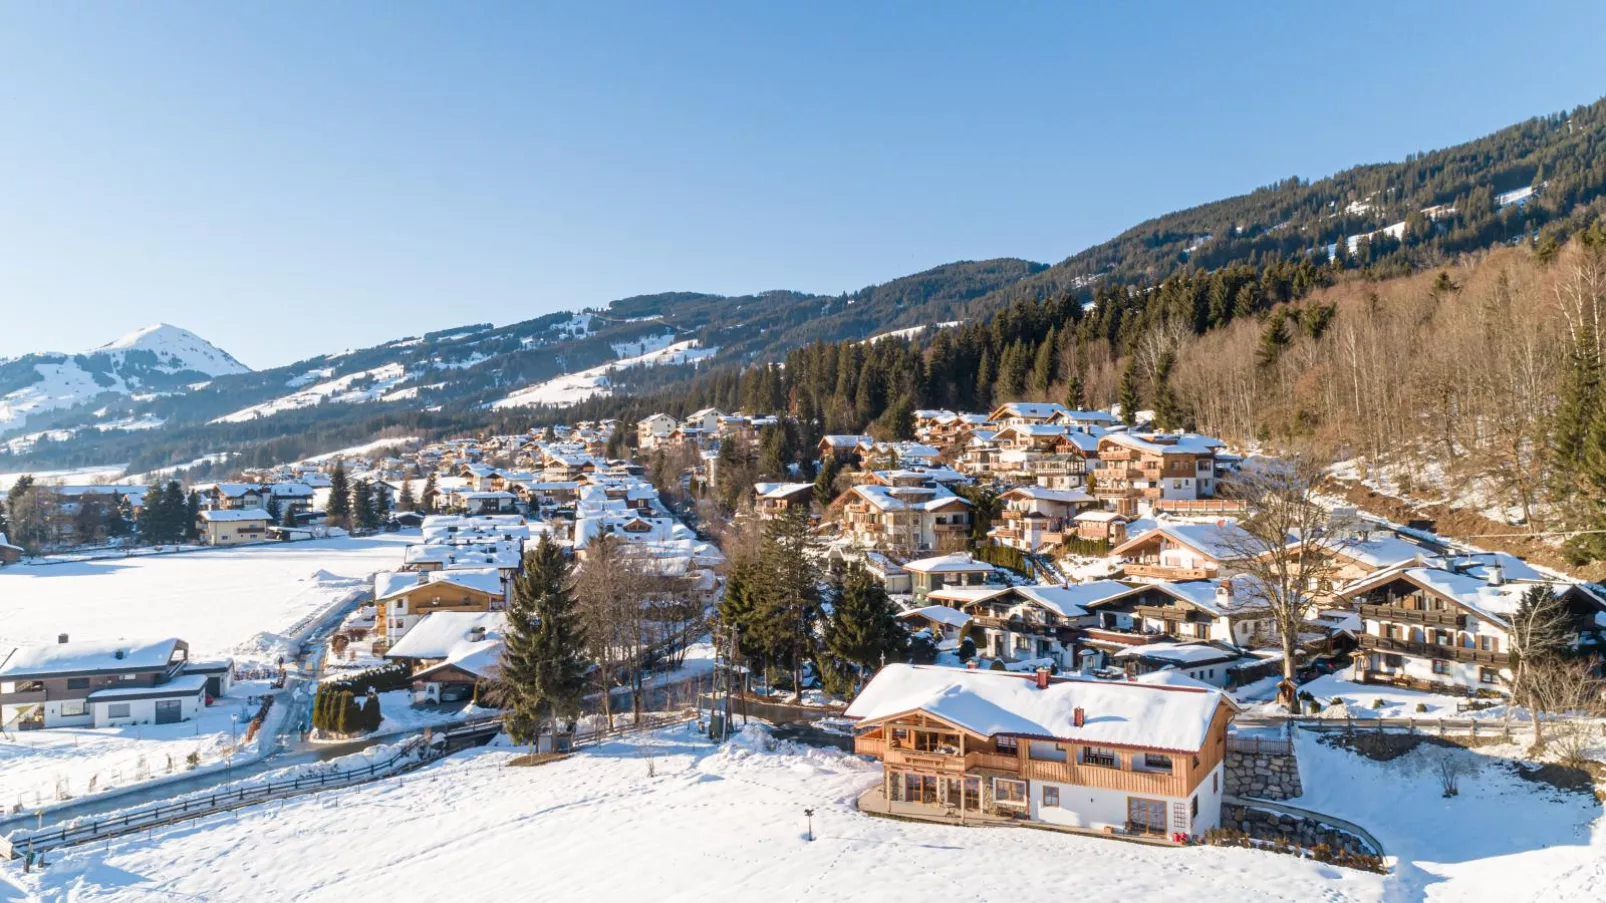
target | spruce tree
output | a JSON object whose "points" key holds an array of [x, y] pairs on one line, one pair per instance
{"points": [[192, 515], [1075, 396], [339, 508], [862, 633], [405, 500], [1129, 392], [364, 515], [788, 599], [825, 481], [431, 491], [542, 672], [1043, 374]]}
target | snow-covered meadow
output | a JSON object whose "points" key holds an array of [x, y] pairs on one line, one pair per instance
{"points": [[663, 817], [217, 599]]}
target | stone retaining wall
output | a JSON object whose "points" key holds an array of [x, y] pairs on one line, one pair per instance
{"points": [[1263, 776], [1263, 824]]}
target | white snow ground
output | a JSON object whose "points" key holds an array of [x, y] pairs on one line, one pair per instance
{"points": [[665, 817], [217, 599], [572, 388]]}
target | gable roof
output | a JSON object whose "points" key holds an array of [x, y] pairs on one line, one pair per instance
{"points": [[956, 563], [989, 703], [89, 657], [1209, 540]]}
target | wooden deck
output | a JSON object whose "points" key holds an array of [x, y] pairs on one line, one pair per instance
{"points": [[874, 802]]}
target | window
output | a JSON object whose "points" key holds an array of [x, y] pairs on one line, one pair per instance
{"points": [[77, 683], [1201, 631], [1193, 806], [1104, 758], [1488, 675], [1047, 752], [1214, 777], [1489, 643], [1440, 666], [1006, 745], [1009, 793], [1393, 661], [1051, 795], [117, 710], [1156, 762], [72, 708]]}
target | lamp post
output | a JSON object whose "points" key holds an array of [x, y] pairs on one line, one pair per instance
{"points": [[234, 728], [809, 814]]}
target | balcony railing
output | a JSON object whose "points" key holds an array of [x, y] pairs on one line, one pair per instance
{"points": [[1443, 618], [1373, 643], [31, 696], [1167, 572]]}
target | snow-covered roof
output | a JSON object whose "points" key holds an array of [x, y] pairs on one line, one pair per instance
{"points": [[485, 580], [1072, 601], [941, 614], [1032, 410], [477, 555], [183, 685], [853, 441], [1166, 443], [1246, 593], [233, 515], [1208, 539], [1100, 516], [6, 545], [988, 703], [956, 563], [89, 657], [450, 634], [1038, 493], [780, 490], [1179, 653], [907, 498]]}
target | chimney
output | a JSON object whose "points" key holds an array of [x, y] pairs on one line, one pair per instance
{"points": [[476, 633], [970, 665], [61, 638], [1042, 678], [1497, 574], [1078, 717], [121, 653], [1224, 592]]}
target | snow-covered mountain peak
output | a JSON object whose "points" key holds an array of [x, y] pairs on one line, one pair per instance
{"points": [[177, 349]]}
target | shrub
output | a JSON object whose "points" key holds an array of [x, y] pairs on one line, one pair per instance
{"points": [[997, 665], [1421, 707], [967, 650], [1377, 703]]}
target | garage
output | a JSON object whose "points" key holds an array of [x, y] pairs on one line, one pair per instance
{"points": [[169, 711]]}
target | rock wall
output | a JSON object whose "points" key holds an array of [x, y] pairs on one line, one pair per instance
{"points": [[1263, 824], [1263, 776]]}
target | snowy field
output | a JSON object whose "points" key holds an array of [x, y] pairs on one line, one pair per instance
{"points": [[217, 599], [664, 818], [1502, 838], [81, 761], [1361, 701]]}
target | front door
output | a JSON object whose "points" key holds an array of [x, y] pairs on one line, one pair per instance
{"points": [[169, 711]]}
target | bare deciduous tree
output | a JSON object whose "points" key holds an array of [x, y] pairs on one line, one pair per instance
{"points": [[1286, 544]]}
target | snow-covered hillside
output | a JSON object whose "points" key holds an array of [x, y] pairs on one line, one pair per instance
{"points": [[572, 388], [152, 359]]}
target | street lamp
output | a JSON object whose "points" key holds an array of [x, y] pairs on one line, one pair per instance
{"points": [[234, 729], [809, 814]]}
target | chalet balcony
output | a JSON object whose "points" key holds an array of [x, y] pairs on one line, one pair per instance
{"points": [[1017, 626], [936, 762], [1372, 643], [1444, 618], [1122, 637], [27, 698], [1167, 572], [950, 528]]}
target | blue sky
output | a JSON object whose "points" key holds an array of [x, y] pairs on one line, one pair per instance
{"points": [[287, 179]]}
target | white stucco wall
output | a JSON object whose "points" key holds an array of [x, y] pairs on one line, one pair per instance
{"points": [[1094, 808], [141, 711]]}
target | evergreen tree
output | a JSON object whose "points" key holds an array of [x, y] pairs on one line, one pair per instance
{"points": [[192, 515], [431, 491], [149, 522], [1043, 365], [371, 715], [339, 509], [405, 500], [542, 674], [825, 481], [274, 509], [1273, 339], [788, 598], [364, 515], [1075, 397], [1130, 401], [862, 633]]}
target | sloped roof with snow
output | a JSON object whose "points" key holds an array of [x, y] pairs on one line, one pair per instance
{"points": [[907, 498], [92, 656], [449, 634], [1207, 539], [233, 515], [1032, 410], [958, 562], [1166, 443], [780, 490], [941, 614], [1038, 493], [1072, 601], [989, 703]]}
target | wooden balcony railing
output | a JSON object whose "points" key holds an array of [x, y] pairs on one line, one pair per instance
{"points": [[1433, 650], [1166, 572], [1444, 618]]}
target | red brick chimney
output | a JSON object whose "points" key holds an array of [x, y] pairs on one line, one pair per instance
{"points": [[1042, 678], [1078, 717], [970, 665]]}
